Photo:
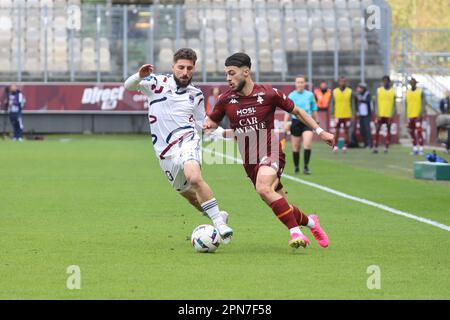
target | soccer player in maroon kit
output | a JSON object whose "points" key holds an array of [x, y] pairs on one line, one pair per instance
{"points": [[251, 110]]}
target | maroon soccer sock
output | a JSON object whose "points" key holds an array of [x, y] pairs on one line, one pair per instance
{"points": [[420, 137], [388, 136], [412, 133], [284, 213], [302, 219], [377, 136]]}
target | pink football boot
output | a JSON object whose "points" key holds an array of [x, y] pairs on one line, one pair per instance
{"points": [[318, 233]]}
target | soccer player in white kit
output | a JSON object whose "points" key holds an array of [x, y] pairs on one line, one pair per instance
{"points": [[176, 114]]}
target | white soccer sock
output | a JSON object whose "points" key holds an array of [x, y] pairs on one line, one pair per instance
{"points": [[295, 230], [211, 208], [310, 223]]}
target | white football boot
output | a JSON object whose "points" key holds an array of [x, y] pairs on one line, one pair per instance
{"points": [[224, 230]]}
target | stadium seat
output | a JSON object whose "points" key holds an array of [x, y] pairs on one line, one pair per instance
{"points": [[288, 4], [319, 44], [166, 43], [5, 23], [221, 35], [180, 43], [6, 3], [105, 63], [88, 43], [246, 4], [192, 22], [276, 42], [190, 3], [331, 41], [236, 44], [343, 23], [32, 3], [211, 65], [48, 3], [299, 3], [354, 4], [32, 64], [291, 44], [315, 4], [278, 57], [88, 58], [193, 43], [366, 3], [340, 4], [327, 4], [164, 60], [5, 64], [346, 43]]}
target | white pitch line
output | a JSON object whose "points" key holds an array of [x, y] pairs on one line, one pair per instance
{"points": [[353, 198]]}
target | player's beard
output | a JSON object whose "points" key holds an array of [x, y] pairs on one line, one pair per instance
{"points": [[182, 82], [240, 86]]}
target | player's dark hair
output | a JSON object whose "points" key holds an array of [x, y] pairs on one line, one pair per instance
{"points": [[386, 78], [239, 60], [185, 54]]}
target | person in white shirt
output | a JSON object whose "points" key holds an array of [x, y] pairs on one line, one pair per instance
{"points": [[176, 114]]}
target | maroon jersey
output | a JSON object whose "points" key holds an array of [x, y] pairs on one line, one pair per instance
{"points": [[252, 120]]}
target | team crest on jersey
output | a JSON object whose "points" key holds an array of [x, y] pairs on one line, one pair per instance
{"points": [[260, 99], [191, 98]]}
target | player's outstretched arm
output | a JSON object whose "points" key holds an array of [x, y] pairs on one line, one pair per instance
{"points": [[209, 124], [286, 122], [132, 83], [327, 137]]}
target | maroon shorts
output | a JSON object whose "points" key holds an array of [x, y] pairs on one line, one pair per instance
{"points": [[344, 123], [383, 120], [414, 123], [277, 164]]}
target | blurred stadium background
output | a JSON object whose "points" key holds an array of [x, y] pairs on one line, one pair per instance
{"points": [[71, 56]]}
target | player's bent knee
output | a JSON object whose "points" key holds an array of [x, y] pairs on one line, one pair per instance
{"points": [[195, 179], [263, 190]]}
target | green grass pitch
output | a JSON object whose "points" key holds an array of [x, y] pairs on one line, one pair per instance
{"points": [[102, 203]]}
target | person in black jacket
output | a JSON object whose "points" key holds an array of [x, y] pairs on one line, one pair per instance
{"points": [[15, 101], [364, 112], [444, 104]]}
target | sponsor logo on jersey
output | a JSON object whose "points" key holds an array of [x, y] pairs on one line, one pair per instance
{"points": [[246, 111], [233, 101], [259, 94]]}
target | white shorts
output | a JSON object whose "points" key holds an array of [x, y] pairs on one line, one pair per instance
{"points": [[173, 166]]}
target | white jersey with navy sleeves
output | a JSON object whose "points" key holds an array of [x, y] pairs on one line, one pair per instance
{"points": [[176, 118], [176, 114]]}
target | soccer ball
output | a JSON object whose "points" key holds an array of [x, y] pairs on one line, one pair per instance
{"points": [[205, 238]]}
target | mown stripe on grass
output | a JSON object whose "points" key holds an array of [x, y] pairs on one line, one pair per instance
{"points": [[350, 197]]}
